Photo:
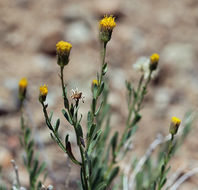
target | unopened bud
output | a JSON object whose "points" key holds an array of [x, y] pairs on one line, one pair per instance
{"points": [[154, 59], [43, 93], [175, 123]]}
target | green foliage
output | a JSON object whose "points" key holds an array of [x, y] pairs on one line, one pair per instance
{"points": [[31, 162]]}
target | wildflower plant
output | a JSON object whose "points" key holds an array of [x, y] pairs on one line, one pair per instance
{"points": [[99, 156], [100, 148], [30, 160]]}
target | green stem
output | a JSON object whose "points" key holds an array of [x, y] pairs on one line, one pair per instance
{"points": [[140, 93], [103, 55], [166, 160], [55, 134], [62, 82], [74, 121]]}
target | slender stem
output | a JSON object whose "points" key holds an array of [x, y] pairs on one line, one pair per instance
{"points": [[166, 160], [137, 101], [134, 101], [55, 134], [103, 55], [62, 82], [84, 167]]}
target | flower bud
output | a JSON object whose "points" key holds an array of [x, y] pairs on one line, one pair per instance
{"points": [[94, 87], [95, 82], [63, 51], [175, 122], [106, 26], [43, 93], [154, 59], [22, 88]]}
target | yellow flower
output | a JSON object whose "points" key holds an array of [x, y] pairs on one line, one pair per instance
{"points": [[63, 47], [107, 23], [154, 59], [43, 90], [22, 88], [106, 26], [23, 83], [95, 82], [175, 123], [63, 50]]}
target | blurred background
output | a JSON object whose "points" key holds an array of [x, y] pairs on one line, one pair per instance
{"points": [[29, 30]]}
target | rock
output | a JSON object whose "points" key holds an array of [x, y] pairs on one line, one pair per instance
{"points": [[5, 157], [11, 83], [43, 62], [48, 43], [52, 96], [78, 32], [117, 77], [180, 54], [103, 7], [162, 100], [73, 12], [138, 40]]}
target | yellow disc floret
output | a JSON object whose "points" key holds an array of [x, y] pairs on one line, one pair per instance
{"points": [[95, 82], [43, 90], [107, 23], [23, 83], [176, 121], [63, 47], [154, 58]]}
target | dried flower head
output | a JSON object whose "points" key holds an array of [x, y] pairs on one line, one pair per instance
{"points": [[175, 123], [22, 88], [43, 92], [143, 65], [76, 95], [106, 26], [63, 51], [154, 59]]}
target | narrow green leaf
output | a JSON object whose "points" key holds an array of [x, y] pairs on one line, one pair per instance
{"points": [[57, 125], [101, 186], [112, 175], [99, 108], [50, 117], [114, 144], [104, 69], [93, 105], [67, 116], [101, 89]]}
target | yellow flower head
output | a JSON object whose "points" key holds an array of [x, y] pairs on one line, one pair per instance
{"points": [[107, 23], [175, 121], [95, 82], [23, 83], [63, 47], [154, 58], [43, 90]]}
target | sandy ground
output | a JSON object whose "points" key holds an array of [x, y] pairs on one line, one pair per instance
{"points": [[29, 31]]}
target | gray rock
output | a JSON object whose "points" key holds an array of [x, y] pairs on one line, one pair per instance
{"points": [[78, 32], [162, 100], [180, 54], [48, 43], [117, 77], [43, 62]]}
